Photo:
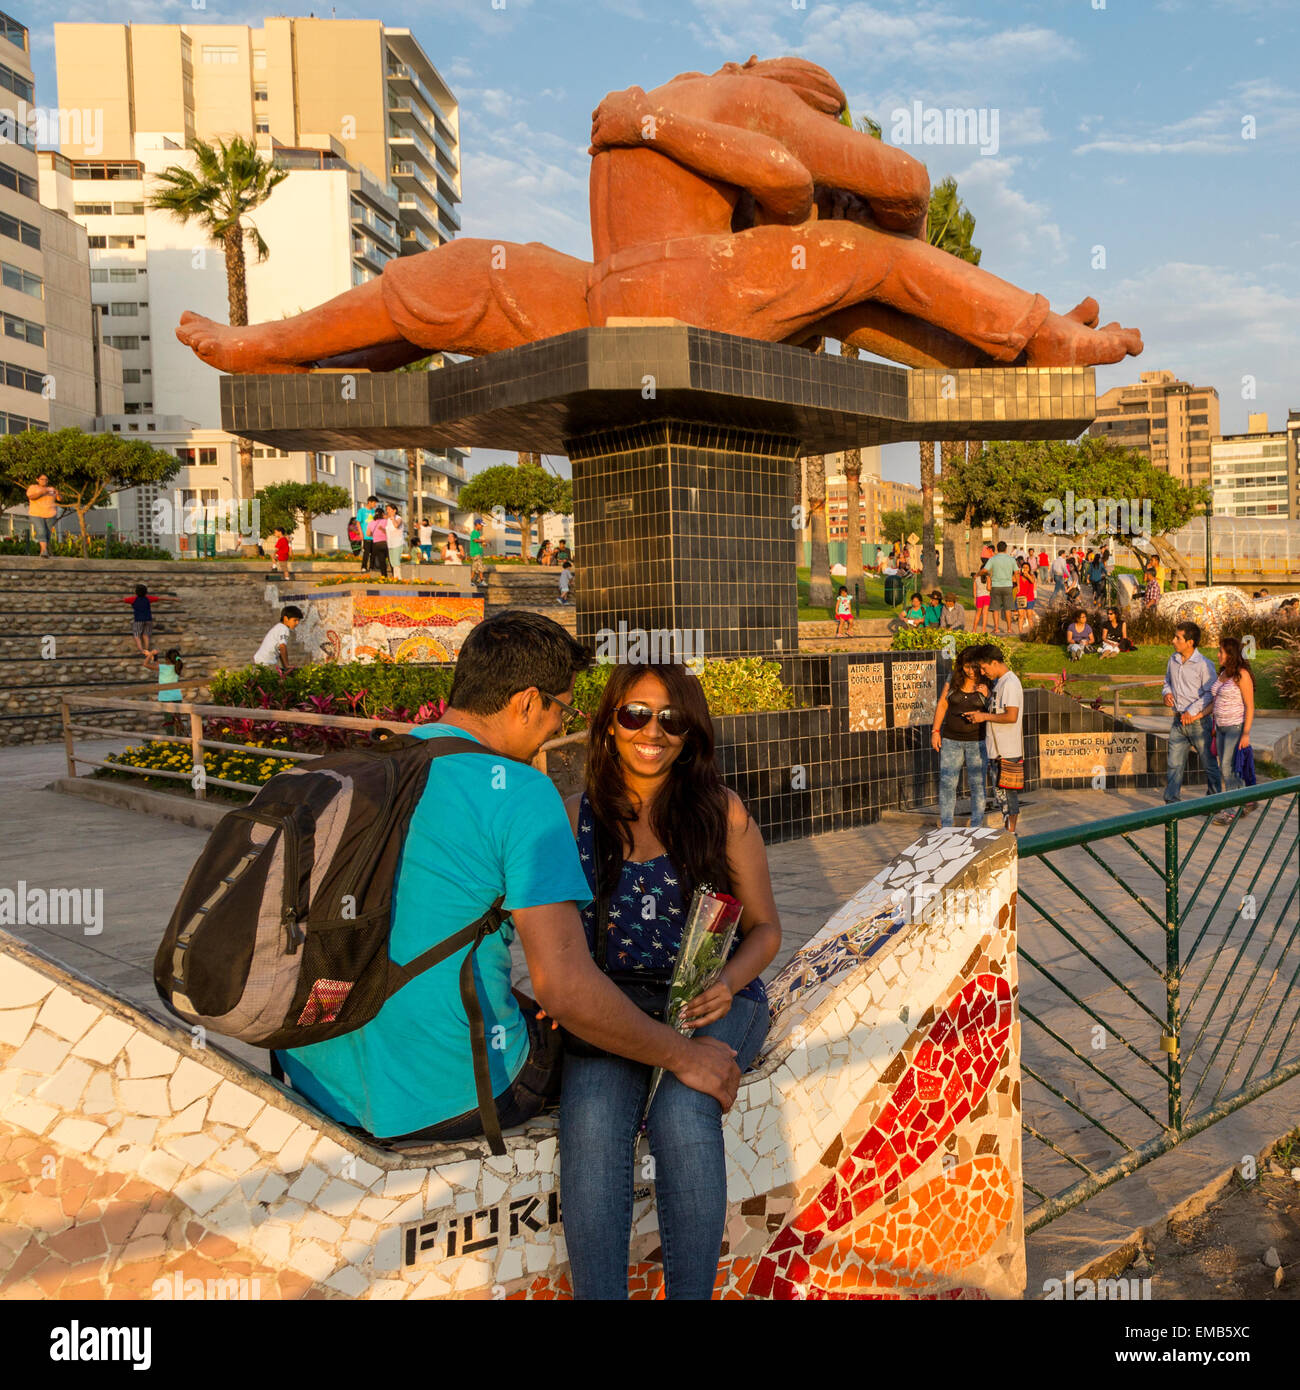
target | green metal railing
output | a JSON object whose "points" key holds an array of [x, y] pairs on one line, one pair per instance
{"points": [[1159, 959]]}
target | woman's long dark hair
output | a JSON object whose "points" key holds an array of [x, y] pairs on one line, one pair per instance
{"points": [[689, 817], [1233, 661]]}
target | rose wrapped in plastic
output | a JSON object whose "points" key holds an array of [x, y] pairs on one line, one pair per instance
{"points": [[706, 943]]}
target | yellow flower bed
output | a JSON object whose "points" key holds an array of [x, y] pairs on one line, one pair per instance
{"points": [[251, 768]]}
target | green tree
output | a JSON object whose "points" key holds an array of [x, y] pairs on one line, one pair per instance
{"points": [[521, 491], [820, 594], [87, 469], [286, 504], [897, 526], [230, 181]]}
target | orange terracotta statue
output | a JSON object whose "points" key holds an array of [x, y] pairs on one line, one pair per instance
{"points": [[736, 201]]}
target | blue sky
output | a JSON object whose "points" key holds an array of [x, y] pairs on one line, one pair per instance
{"points": [[1118, 127]]}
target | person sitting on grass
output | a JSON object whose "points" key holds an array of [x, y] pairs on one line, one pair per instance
{"points": [[1078, 636], [274, 650], [1114, 634], [843, 613], [953, 615]]}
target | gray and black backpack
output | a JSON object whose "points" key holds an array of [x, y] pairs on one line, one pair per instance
{"points": [[280, 937]]}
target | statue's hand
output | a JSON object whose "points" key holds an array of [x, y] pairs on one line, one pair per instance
{"points": [[622, 119]]}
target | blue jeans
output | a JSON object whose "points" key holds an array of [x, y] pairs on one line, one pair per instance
{"points": [[600, 1113], [1183, 737], [954, 754], [1228, 738]]}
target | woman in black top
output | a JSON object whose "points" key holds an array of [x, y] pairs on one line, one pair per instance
{"points": [[958, 742]]}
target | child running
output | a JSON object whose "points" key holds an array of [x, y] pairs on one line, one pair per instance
{"points": [[170, 670], [843, 613]]}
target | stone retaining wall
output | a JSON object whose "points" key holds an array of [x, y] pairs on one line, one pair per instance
{"points": [[873, 1151]]}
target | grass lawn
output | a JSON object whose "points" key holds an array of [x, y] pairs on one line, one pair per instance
{"points": [[1145, 661]]}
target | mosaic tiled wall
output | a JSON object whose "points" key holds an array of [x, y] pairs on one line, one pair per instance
{"points": [[365, 624], [686, 527], [805, 771], [874, 1152]]}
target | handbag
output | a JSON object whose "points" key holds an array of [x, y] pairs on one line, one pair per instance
{"points": [[1011, 774]]}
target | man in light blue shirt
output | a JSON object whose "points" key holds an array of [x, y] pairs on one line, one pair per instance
{"points": [[488, 827], [1002, 577], [1188, 689]]}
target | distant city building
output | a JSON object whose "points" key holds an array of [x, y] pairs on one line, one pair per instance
{"points": [[1293, 461], [1170, 421], [53, 370], [1251, 471], [439, 477], [370, 86]]}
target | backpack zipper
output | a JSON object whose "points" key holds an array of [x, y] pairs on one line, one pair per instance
{"points": [[294, 934], [372, 835]]}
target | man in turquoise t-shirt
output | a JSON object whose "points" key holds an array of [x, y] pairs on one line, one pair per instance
{"points": [[363, 522], [488, 825], [1002, 577]]}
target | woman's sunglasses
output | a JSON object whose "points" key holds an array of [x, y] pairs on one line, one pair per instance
{"points": [[636, 716]]}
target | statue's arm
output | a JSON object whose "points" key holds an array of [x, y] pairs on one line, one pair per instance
{"points": [[747, 159]]}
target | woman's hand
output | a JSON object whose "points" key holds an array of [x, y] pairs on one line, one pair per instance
{"points": [[709, 1006], [936, 742], [1244, 741]]}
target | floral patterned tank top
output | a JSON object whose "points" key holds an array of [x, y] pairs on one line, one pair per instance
{"points": [[646, 913]]}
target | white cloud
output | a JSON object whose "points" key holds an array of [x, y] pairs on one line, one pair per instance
{"points": [[1217, 129], [1020, 228]]}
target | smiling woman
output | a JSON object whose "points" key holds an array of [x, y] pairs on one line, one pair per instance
{"points": [[656, 825]]}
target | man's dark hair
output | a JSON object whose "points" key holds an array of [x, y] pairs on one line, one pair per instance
{"points": [[291, 611], [372, 498], [510, 652], [1002, 546], [988, 652], [1190, 631]]}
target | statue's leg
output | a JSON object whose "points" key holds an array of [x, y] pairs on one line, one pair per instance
{"points": [[470, 296], [778, 282]]}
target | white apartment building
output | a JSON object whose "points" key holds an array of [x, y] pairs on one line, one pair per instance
{"points": [[1250, 472]]}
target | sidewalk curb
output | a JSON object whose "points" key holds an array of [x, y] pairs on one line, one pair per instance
{"points": [[1104, 1235], [199, 814]]}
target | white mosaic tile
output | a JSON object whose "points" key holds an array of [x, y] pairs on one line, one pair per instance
{"points": [[64, 1089], [311, 1259], [78, 1135], [15, 1024], [274, 1239], [29, 1114], [433, 1285], [236, 1158], [189, 1082], [293, 1155], [202, 1191], [339, 1198], [348, 1281], [42, 1053], [145, 1097], [189, 1121], [309, 1183], [402, 1182], [162, 1169], [232, 1105], [146, 1056], [20, 985], [317, 1226]]}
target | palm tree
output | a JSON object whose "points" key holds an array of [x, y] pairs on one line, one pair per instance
{"points": [[819, 580], [230, 180], [929, 575], [853, 577]]}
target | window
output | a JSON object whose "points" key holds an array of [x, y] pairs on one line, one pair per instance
{"points": [[15, 278], [1198, 419], [260, 93], [126, 344], [123, 310], [16, 83], [131, 376], [128, 209], [191, 457], [122, 243], [262, 127], [25, 330], [13, 31], [122, 277], [325, 463], [220, 53], [102, 169], [18, 230], [92, 209], [99, 277], [20, 183], [97, 243], [22, 378], [259, 58]]}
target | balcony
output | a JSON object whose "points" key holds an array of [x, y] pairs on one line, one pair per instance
{"points": [[381, 232], [414, 241], [417, 212], [404, 112], [405, 81]]}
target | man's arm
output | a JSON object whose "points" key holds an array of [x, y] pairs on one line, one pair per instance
{"points": [[744, 158], [569, 987]]}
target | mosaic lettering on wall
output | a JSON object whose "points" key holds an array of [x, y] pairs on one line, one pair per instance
{"points": [[1084, 755], [866, 696], [914, 692]]}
